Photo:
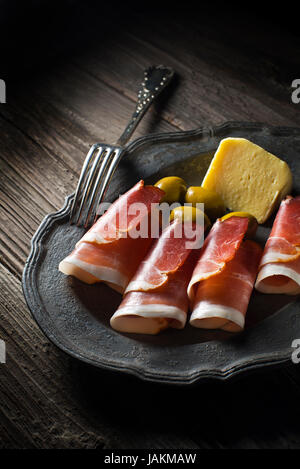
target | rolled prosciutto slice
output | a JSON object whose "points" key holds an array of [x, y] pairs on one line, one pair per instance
{"points": [[156, 298], [279, 270], [115, 245], [223, 279]]}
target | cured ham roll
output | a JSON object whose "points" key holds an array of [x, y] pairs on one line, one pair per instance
{"points": [[223, 279], [279, 270], [156, 298], [112, 249]]}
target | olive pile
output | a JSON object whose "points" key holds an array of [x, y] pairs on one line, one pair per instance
{"points": [[176, 190]]}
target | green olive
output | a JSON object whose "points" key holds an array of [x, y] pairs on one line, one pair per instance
{"points": [[252, 226], [213, 204], [174, 188], [189, 214]]}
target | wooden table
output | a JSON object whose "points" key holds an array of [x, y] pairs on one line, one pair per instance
{"points": [[67, 89]]}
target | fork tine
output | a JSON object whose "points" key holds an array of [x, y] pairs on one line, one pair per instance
{"points": [[101, 173], [82, 177], [156, 78], [113, 165], [89, 183]]}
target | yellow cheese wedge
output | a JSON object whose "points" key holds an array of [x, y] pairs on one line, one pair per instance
{"points": [[248, 178]]}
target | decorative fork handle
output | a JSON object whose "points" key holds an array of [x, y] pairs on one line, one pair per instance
{"points": [[156, 78]]}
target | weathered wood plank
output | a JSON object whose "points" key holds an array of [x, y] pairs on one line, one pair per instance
{"points": [[68, 110], [37, 402]]}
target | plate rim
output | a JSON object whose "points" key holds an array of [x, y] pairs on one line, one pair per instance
{"points": [[163, 378]]}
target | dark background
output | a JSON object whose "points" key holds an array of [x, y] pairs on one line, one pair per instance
{"points": [[72, 70], [34, 32]]}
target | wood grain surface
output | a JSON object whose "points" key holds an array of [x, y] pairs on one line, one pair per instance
{"points": [[72, 84]]}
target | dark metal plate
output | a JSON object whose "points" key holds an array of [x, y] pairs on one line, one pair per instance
{"points": [[76, 316]]}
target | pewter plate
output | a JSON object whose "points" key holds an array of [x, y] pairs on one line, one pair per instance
{"points": [[75, 316]]}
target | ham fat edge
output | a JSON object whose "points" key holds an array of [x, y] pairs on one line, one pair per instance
{"points": [[107, 252], [156, 298], [279, 270], [223, 279]]}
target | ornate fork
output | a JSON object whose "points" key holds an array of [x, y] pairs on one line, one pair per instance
{"points": [[102, 159]]}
